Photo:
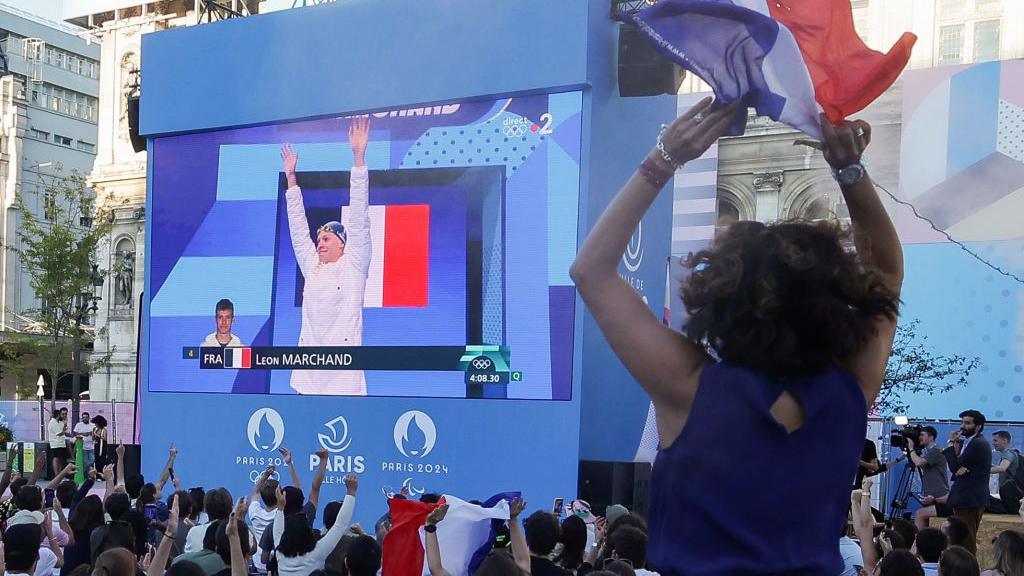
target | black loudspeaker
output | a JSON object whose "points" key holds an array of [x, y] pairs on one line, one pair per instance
{"points": [[138, 142], [602, 484], [642, 70]]}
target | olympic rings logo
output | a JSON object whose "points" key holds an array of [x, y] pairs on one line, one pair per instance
{"points": [[481, 363], [515, 130]]}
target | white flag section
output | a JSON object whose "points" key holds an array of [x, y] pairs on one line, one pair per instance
{"points": [[374, 295], [464, 529]]}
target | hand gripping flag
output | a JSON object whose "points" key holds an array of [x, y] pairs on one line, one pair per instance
{"points": [[788, 59]]}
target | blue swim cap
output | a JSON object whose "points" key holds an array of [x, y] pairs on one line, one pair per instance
{"points": [[334, 226]]}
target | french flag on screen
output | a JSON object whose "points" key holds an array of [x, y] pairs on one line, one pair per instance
{"points": [[238, 358], [400, 263], [786, 58]]}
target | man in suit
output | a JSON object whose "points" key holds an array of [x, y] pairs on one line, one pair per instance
{"points": [[970, 458]]}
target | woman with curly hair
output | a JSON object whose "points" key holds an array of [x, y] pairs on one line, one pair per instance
{"points": [[788, 335]]}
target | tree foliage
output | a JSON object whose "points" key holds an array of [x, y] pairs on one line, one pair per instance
{"points": [[58, 237], [915, 368]]}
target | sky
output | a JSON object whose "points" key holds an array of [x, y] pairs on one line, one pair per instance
{"points": [[49, 9]]}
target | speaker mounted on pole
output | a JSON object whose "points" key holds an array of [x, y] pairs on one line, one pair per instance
{"points": [[642, 70]]}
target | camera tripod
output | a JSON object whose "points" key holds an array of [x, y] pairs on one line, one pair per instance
{"points": [[903, 492]]}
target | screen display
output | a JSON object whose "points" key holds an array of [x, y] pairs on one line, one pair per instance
{"points": [[418, 252]]}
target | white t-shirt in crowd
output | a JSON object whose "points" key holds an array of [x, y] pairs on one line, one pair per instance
{"points": [[47, 562], [55, 432], [85, 429], [259, 519], [194, 540]]}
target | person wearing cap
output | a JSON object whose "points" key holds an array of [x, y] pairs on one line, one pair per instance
{"points": [[21, 548], [335, 269], [48, 552]]}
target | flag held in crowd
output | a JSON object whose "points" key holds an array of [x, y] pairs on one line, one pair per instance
{"points": [[786, 59], [464, 533]]}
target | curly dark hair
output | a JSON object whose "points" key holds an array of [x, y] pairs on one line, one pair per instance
{"points": [[785, 299]]}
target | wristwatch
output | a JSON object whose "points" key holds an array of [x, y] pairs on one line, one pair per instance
{"points": [[849, 175], [430, 528]]}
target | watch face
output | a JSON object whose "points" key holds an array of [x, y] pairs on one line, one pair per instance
{"points": [[851, 174]]}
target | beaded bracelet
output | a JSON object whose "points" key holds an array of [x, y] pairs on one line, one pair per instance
{"points": [[654, 174]]}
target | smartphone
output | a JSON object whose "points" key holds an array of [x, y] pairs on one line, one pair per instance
{"points": [[556, 508], [48, 494], [150, 512]]}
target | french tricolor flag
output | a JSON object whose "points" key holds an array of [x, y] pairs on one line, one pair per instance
{"points": [[788, 59], [238, 358], [400, 262]]}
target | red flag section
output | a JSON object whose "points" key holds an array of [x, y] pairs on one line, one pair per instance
{"points": [[403, 551], [847, 75], [406, 255]]}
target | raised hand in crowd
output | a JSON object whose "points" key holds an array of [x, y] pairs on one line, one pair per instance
{"points": [[120, 464], [351, 484], [165, 475], [293, 470], [39, 468], [158, 564], [318, 479], [433, 547], [239, 566], [517, 539], [68, 470]]}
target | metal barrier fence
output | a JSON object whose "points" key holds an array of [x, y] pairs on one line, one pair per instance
{"points": [[23, 418]]}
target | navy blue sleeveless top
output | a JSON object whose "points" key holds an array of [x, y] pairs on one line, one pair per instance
{"points": [[737, 494]]}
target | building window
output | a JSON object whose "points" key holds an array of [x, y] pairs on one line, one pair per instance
{"points": [[39, 135], [86, 147], [950, 8], [987, 5], [50, 206], [986, 41], [728, 213], [951, 39], [62, 140]]}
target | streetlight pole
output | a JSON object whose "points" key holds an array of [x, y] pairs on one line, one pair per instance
{"points": [[40, 393], [86, 305]]}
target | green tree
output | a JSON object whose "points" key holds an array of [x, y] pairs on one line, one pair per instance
{"points": [[915, 368], [57, 244]]}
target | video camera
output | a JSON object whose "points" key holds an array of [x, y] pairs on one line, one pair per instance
{"points": [[905, 438]]}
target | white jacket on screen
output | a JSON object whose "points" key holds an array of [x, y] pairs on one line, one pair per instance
{"points": [[332, 300]]}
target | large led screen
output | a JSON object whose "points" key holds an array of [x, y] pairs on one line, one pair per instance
{"points": [[420, 252]]}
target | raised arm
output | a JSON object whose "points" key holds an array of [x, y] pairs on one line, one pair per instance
{"points": [[69, 469], [878, 245], [318, 479], [172, 453], [62, 521], [51, 539], [433, 547], [330, 540], [120, 464], [39, 467], [261, 481], [520, 551], [287, 455], [159, 563], [864, 524], [279, 517], [358, 248], [5, 481], [298, 225], [662, 360], [239, 567]]}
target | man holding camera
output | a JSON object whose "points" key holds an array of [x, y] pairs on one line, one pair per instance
{"points": [[970, 459], [930, 460]]}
